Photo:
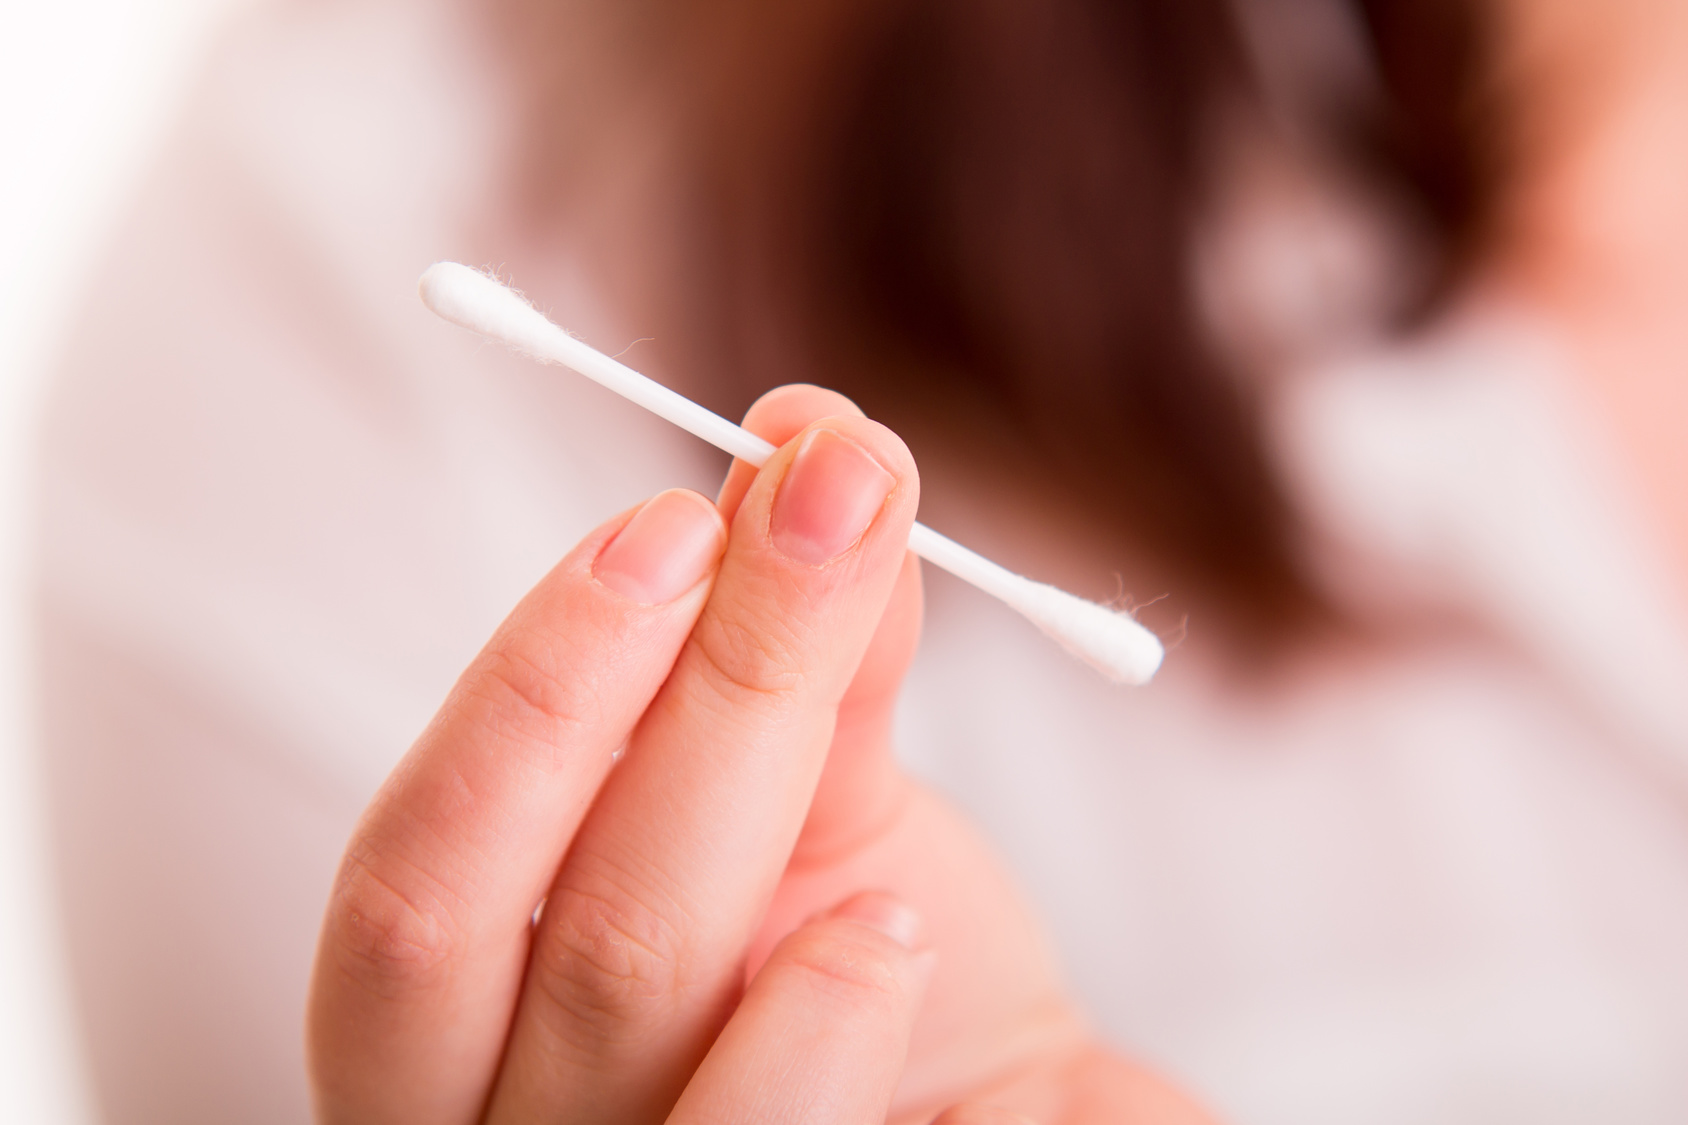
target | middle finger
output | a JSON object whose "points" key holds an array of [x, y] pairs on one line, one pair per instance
{"points": [[639, 957]]}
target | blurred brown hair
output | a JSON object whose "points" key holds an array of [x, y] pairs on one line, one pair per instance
{"points": [[974, 217], [1437, 138]]}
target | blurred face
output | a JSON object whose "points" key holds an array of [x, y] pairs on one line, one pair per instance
{"points": [[1598, 234], [1599, 91]]}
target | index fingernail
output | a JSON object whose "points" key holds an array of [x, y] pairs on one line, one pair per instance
{"points": [[664, 550], [832, 491]]}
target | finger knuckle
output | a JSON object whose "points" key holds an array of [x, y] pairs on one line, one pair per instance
{"points": [[391, 935], [742, 659], [529, 688], [608, 962]]}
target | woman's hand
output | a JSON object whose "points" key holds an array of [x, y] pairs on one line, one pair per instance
{"points": [[520, 933]]}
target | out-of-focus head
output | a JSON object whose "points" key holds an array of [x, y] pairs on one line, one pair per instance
{"points": [[980, 219]]}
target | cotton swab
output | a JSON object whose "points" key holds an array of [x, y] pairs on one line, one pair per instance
{"points": [[1111, 642]]}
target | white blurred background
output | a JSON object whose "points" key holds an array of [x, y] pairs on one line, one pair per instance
{"points": [[87, 88]]}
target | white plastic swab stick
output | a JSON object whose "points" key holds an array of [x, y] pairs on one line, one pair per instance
{"points": [[1110, 642]]}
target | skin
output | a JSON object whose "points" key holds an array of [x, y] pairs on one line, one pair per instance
{"points": [[754, 915], [1594, 231]]}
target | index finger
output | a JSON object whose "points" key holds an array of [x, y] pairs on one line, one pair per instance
{"points": [[639, 955], [423, 947]]}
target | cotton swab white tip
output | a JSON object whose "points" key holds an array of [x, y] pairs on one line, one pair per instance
{"points": [[1093, 633], [1108, 641], [483, 304], [1111, 642]]}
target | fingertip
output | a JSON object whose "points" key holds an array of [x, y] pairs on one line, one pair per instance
{"points": [[669, 545], [855, 452], [882, 442], [779, 416], [833, 490], [822, 1033], [884, 913], [783, 411], [872, 944]]}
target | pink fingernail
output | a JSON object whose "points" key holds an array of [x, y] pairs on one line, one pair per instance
{"points": [[878, 911], [664, 550], [829, 498]]}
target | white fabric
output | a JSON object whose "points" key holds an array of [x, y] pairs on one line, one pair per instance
{"points": [[284, 506]]}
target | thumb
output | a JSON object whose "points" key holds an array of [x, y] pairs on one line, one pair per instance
{"points": [[861, 789]]}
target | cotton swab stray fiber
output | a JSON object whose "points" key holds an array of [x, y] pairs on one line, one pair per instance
{"points": [[1111, 642]]}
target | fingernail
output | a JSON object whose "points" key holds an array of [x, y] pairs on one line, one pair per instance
{"points": [[892, 917], [664, 550], [830, 495]]}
